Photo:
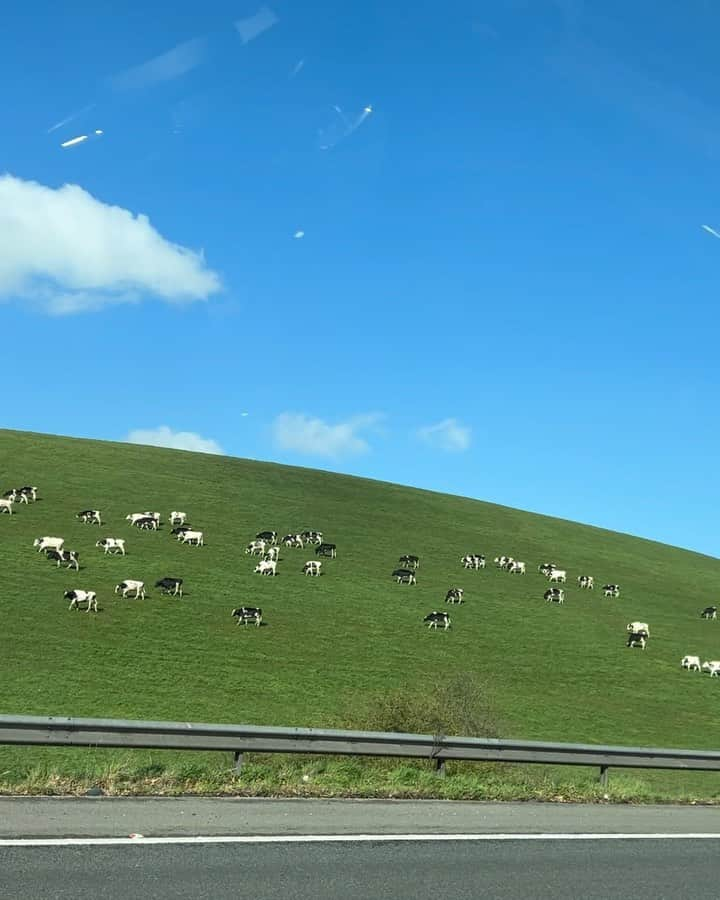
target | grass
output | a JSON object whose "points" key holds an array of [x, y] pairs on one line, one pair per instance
{"points": [[553, 672]]}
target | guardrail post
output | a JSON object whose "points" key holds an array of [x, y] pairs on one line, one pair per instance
{"points": [[238, 762], [604, 776], [440, 766]]}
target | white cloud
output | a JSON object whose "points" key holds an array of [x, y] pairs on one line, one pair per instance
{"points": [[66, 251], [253, 26], [448, 435], [176, 440], [175, 62], [305, 434]]}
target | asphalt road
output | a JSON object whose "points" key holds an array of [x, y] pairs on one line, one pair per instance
{"points": [[119, 817], [638, 869]]}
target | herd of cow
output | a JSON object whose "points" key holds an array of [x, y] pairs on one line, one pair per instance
{"points": [[406, 573], [55, 550], [267, 546]]}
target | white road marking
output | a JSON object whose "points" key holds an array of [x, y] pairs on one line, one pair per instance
{"points": [[351, 838]]}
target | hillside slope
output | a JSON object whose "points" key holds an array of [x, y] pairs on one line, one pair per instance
{"points": [[557, 672]]}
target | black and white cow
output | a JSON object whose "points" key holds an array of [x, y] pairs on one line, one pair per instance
{"points": [[710, 612], [326, 550], [181, 529], [77, 597], [67, 557], [270, 537], [112, 545], [293, 540], [255, 547], [559, 575], [503, 562], [637, 639], [28, 492], [473, 561], [546, 568], [312, 567], [172, 586], [454, 595], [147, 523], [554, 595], [89, 517], [611, 590], [312, 537], [435, 619], [128, 586], [586, 581], [404, 576], [247, 614], [408, 561]]}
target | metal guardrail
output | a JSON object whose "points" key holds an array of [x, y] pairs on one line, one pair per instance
{"points": [[55, 731]]}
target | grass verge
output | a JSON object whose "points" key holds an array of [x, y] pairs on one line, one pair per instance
{"points": [[331, 777]]}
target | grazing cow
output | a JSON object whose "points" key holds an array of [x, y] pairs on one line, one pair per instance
{"points": [[255, 547], [454, 595], [586, 581], [637, 638], [128, 586], [611, 590], [710, 612], [170, 586], [180, 529], [713, 667], [546, 568], [89, 517], [247, 614], [28, 492], [517, 568], [312, 537], [132, 518], [312, 567], [17, 495], [270, 537], [77, 597], [404, 576], [152, 515], [112, 545], [326, 550], [559, 575], [48, 543], [503, 562], [293, 540], [638, 626], [690, 662], [266, 567], [554, 595], [408, 561], [473, 561], [177, 518], [272, 553], [192, 537], [436, 618], [6, 505], [69, 557], [147, 523]]}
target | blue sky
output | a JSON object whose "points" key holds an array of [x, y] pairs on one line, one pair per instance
{"points": [[502, 289]]}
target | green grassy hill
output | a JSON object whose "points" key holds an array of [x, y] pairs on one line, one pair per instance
{"points": [[556, 672]]}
